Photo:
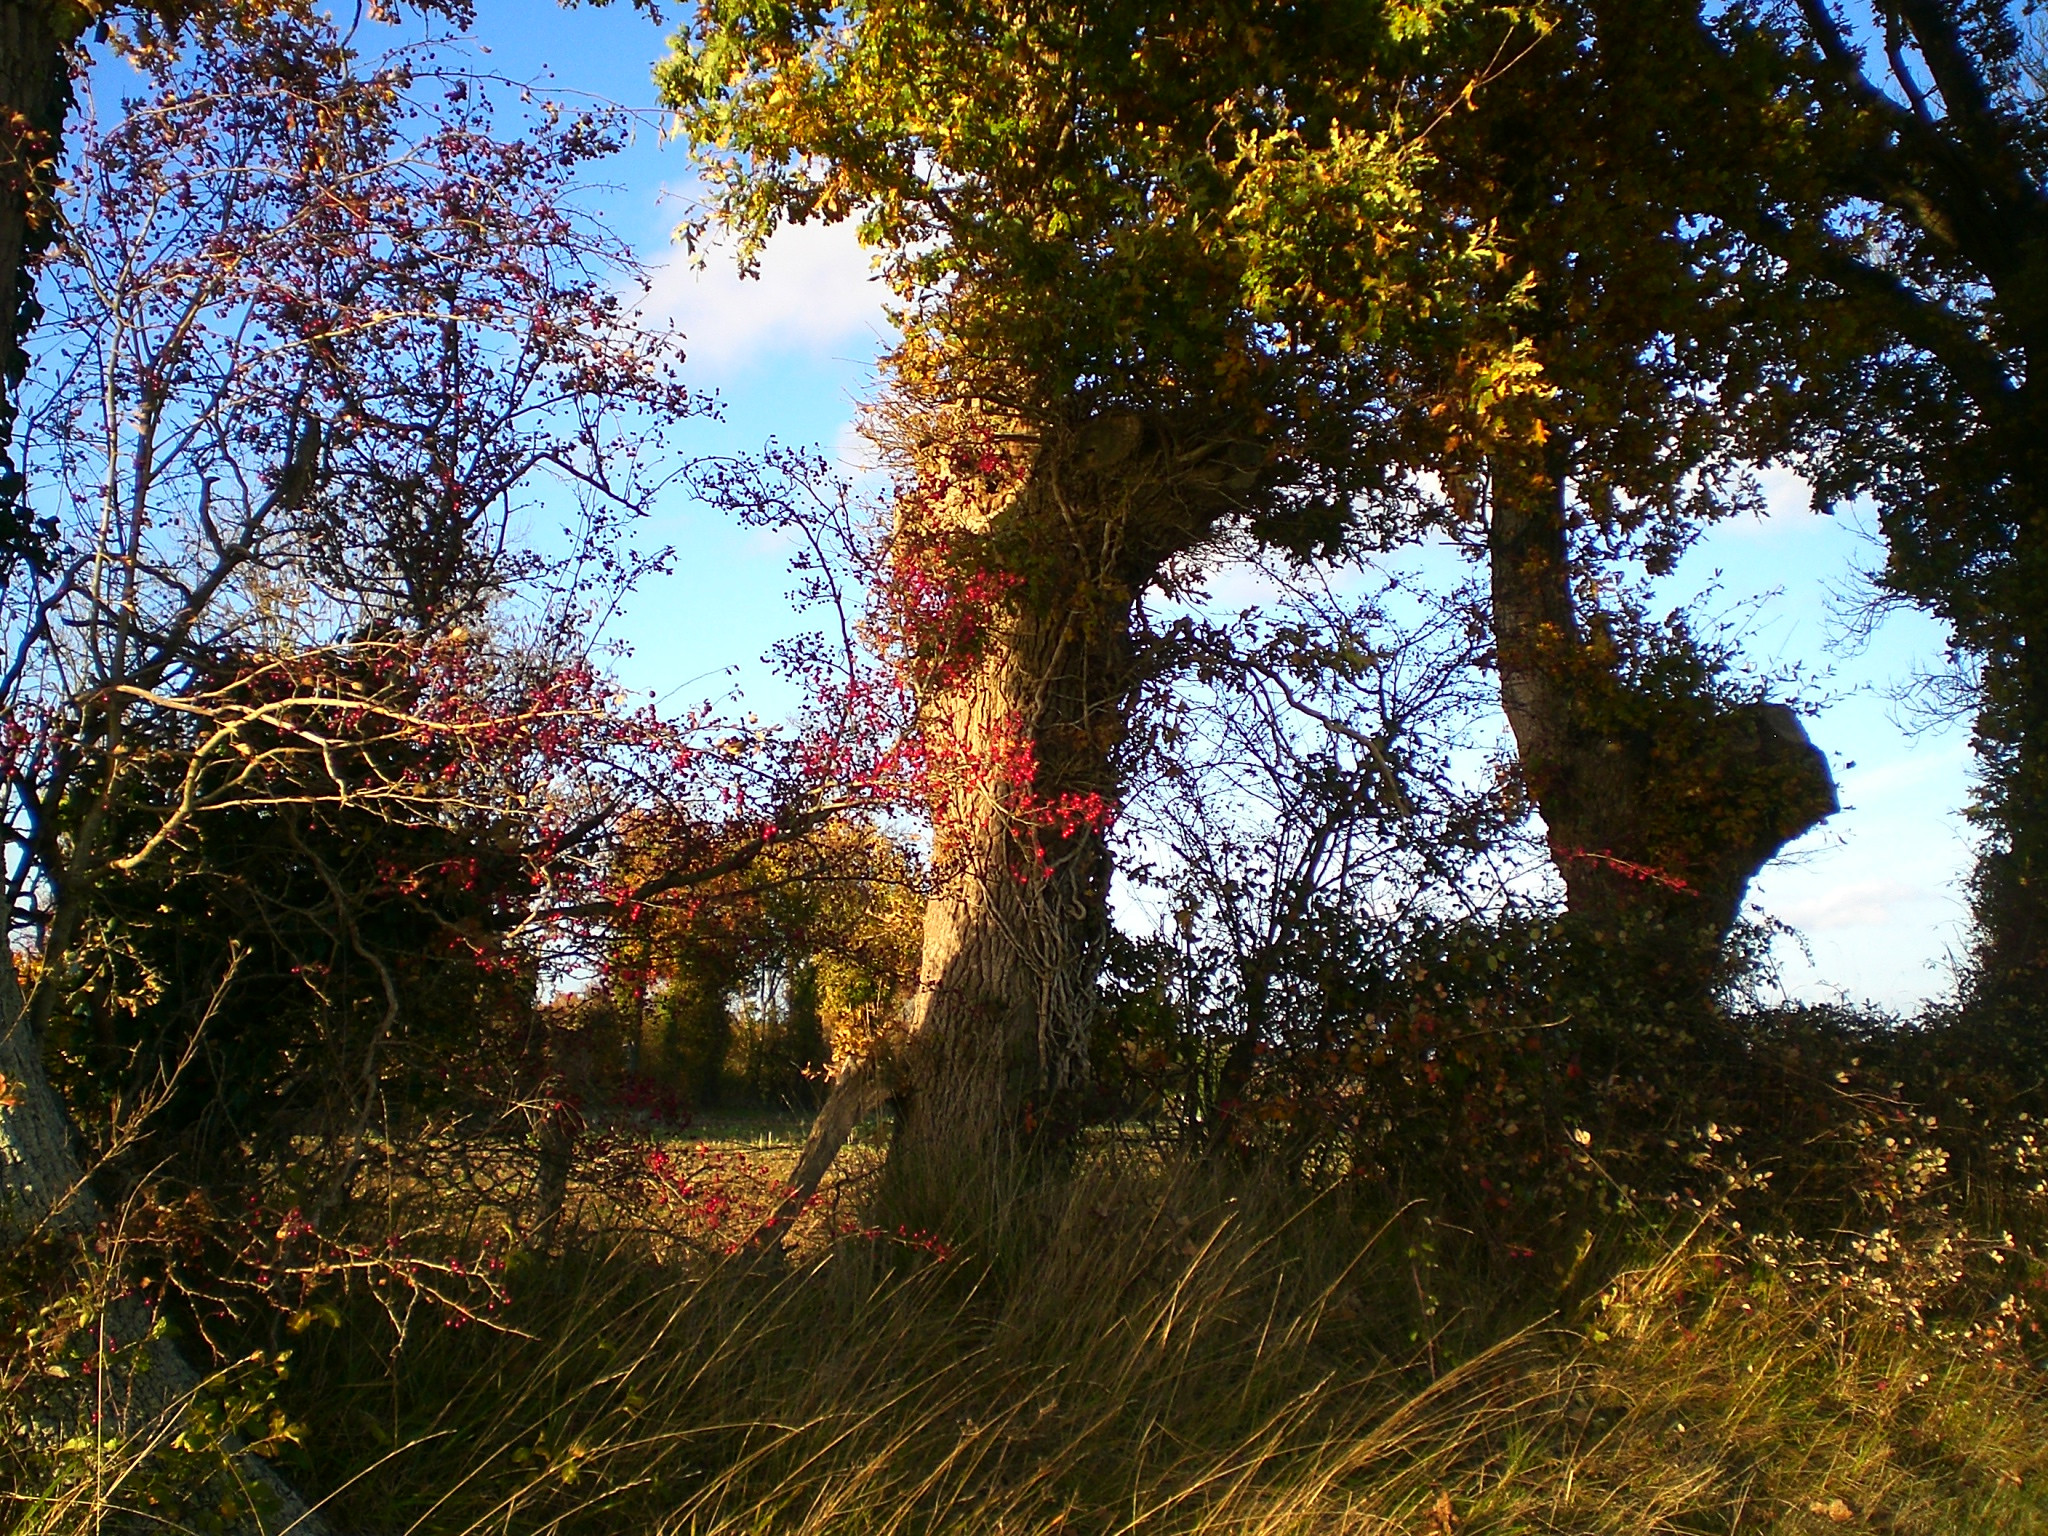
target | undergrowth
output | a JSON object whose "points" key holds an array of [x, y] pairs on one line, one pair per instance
{"points": [[1146, 1346]]}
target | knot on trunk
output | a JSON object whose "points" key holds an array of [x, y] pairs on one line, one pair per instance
{"points": [[1668, 822]]}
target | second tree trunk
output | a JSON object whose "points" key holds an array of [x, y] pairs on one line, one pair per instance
{"points": [[1661, 800]]}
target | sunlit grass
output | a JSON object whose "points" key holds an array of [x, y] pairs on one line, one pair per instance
{"points": [[1159, 1349], [1140, 1346]]}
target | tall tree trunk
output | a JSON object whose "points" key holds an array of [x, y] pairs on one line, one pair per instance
{"points": [[1660, 806], [42, 1182], [35, 92], [1006, 992], [994, 1054]]}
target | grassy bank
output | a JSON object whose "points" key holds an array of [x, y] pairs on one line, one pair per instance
{"points": [[1142, 1348]]}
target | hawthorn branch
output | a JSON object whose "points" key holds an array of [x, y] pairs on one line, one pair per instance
{"points": [[671, 881]]}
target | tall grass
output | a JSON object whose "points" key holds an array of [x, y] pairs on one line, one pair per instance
{"points": [[1165, 1350], [1151, 1349]]}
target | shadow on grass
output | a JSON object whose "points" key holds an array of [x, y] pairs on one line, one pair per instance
{"points": [[1164, 1349]]}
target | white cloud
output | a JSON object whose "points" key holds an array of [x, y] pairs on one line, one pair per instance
{"points": [[1900, 785], [1788, 507], [1785, 494], [1859, 904], [816, 293]]}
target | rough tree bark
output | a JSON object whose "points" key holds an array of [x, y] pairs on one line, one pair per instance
{"points": [[1659, 811], [35, 91], [995, 1048], [42, 1182], [1006, 993]]}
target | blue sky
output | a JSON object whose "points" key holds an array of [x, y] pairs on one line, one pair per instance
{"points": [[1875, 893]]}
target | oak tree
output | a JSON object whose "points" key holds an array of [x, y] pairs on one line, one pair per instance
{"points": [[1898, 183], [1086, 394]]}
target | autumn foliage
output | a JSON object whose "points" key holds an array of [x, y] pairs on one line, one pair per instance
{"points": [[1304, 1067]]}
